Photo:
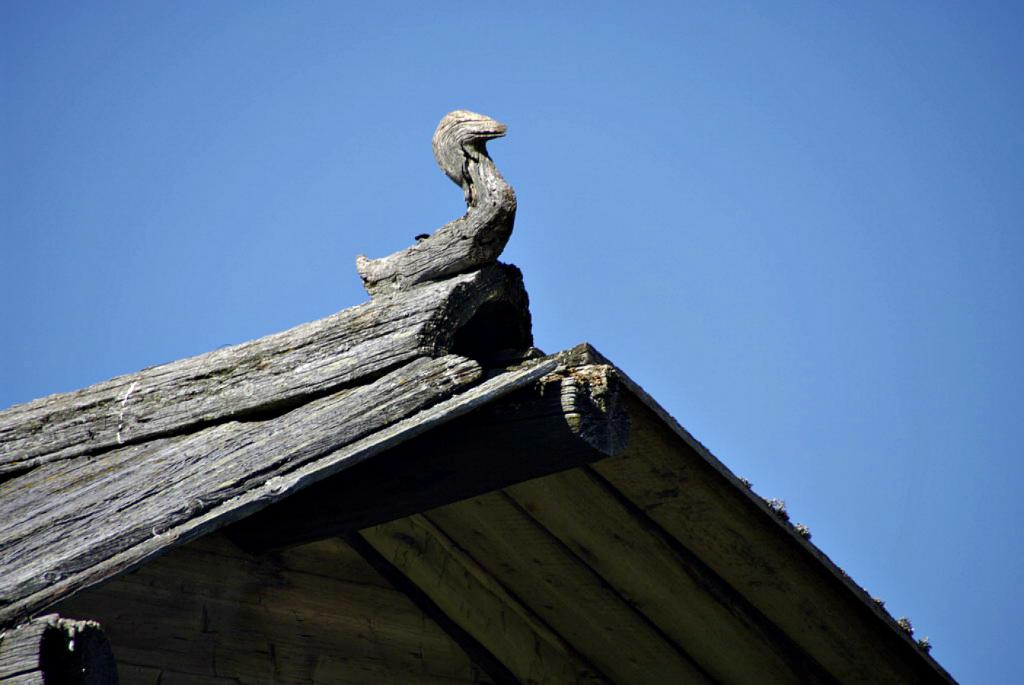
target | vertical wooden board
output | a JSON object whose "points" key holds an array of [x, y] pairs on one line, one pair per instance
{"points": [[693, 501], [564, 592], [467, 594], [637, 560]]}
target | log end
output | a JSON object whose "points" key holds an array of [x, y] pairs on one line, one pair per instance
{"points": [[488, 316], [51, 649]]}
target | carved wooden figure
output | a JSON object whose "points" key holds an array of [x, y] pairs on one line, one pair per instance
{"points": [[469, 242]]}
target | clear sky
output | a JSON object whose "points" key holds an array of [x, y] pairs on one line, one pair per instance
{"points": [[797, 225]]}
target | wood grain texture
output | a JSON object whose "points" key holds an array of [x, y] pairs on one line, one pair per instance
{"points": [[470, 242], [564, 592], [21, 648], [66, 516], [40, 565], [490, 664], [52, 649], [479, 604], [572, 417], [686, 600], [690, 495], [344, 349], [208, 613]]}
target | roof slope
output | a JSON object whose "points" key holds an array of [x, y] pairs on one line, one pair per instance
{"points": [[342, 350], [79, 519]]}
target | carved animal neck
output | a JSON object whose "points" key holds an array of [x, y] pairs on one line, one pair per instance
{"points": [[470, 242]]}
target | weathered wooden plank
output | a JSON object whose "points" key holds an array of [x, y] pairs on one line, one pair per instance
{"points": [[472, 598], [349, 347], [693, 497], [550, 579], [470, 242], [258, 494], [571, 419], [489, 663], [69, 515], [51, 649], [256, 620], [690, 603]]}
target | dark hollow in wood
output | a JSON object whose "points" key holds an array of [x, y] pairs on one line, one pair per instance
{"points": [[470, 242], [51, 649]]}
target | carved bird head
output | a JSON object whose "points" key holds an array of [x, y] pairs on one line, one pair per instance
{"points": [[460, 136]]}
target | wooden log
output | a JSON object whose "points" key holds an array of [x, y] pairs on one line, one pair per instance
{"points": [[51, 649], [470, 242], [569, 419], [347, 348], [56, 560]]}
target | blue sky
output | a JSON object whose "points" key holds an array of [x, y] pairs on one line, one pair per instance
{"points": [[797, 225]]}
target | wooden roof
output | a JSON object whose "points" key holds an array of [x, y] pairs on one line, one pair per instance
{"points": [[148, 460], [424, 430]]}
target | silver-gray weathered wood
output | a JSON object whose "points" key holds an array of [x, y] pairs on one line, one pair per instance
{"points": [[349, 347], [470, 242], [81, 521], [64, 516]]}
